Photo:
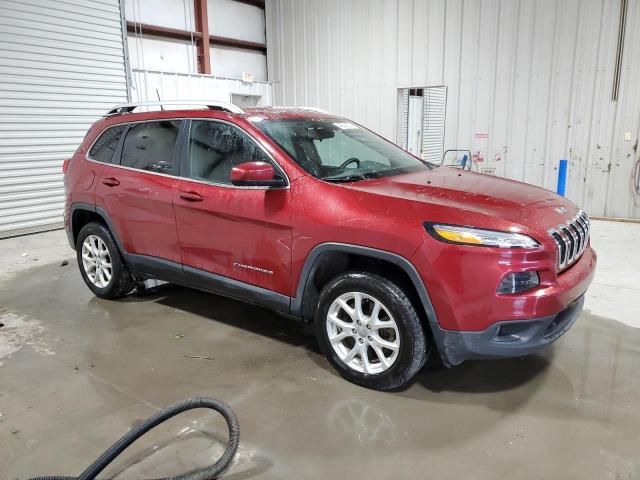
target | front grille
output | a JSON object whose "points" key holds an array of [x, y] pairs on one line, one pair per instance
{"points": [[571, 239]]}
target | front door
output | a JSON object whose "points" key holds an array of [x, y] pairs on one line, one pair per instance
{"points": [[136, 190], [226, 232]]}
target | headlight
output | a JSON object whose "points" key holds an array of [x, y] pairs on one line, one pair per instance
{"points": [[479, 237]]}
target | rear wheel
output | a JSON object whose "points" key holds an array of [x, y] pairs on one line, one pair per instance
{"points": [[370, 331], [101, 263]]}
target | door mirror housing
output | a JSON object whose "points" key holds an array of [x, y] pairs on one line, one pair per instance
{"points": [[256, 174]]}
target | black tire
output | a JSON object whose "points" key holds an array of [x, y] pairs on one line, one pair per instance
{"points": [[413, 349], [121, 281]]}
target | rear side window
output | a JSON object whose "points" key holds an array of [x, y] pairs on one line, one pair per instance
{"points": [[151, 146], [104, 148]]}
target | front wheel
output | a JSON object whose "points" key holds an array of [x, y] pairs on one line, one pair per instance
{"points": [[369, 330]]}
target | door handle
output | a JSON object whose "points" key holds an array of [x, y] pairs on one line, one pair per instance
{"points": [[111, 182], [191, 196]]}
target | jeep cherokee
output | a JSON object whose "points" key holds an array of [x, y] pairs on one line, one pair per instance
{"points": [[316, 217]]}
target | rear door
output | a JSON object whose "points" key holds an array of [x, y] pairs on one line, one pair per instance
{"points": [[136, 190], [239, 233]]}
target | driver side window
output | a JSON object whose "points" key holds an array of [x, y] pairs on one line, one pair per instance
{"points": [[216, 147]]}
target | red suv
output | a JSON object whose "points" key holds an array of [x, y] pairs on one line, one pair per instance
{"points": [[316, 217]]}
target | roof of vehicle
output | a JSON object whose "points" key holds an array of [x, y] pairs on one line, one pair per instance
{"points": [[195, 106], [285, 113]]}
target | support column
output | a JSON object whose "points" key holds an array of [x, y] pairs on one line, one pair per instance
{"points": [[203, 43]]}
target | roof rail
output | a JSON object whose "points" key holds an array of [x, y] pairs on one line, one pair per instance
{"points": [[211, 104]]}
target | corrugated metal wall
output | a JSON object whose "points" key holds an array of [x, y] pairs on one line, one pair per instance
{"points": [[61, 67], [529, 81]]}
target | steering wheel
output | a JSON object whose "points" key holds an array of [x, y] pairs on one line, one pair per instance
{"points": [[350, 160]]}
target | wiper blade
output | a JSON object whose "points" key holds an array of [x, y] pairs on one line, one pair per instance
{"points": [[348, 178], [355, 178]]}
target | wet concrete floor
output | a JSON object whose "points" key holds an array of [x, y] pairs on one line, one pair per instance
{"points": [[78, 372]]}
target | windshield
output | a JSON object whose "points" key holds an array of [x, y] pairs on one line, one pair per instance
{"points": [[337, 150]]}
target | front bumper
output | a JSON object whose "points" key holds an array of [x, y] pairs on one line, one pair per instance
{"points": [[507, 338], [70, 237]]}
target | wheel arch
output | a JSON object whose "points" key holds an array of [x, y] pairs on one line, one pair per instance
{"points": [[84, 213], [329, 259]]}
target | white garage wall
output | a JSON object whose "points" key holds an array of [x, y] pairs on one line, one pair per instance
{"points": [[228, 18], [178, 86], [158, 53], [61, 68], [231, 19], [167, 13], [535, 76], [165, 54], [232, 62]]}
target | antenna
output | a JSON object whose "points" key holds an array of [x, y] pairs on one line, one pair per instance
{"points": [[159, 99]]}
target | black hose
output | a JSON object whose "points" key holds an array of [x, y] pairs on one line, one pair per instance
{"points": [[206, 473]]}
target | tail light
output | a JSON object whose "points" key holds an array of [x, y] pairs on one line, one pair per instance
{"points": [[65, 165]]}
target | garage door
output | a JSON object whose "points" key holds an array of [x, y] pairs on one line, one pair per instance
{"points": [[61, 67]]}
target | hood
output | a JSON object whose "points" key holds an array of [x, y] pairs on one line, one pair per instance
{"points": [[467, 193]]}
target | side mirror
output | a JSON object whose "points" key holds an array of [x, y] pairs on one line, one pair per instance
{"points": [[256, 174]]}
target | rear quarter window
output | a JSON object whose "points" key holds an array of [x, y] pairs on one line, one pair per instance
{"points": [[105, 146]]}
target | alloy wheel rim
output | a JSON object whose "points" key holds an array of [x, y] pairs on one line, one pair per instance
{"points": [[96, 261], [363, 333]]}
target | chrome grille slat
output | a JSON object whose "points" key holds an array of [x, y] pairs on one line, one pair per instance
{"points": [[583, 233], [571, 239], [574, 227], [572, 243]]}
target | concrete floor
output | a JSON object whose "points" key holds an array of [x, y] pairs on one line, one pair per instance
{"points": [[76, 372]]}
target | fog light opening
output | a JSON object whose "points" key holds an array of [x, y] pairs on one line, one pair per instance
{"points": [[515, 282], [507, 333]]}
